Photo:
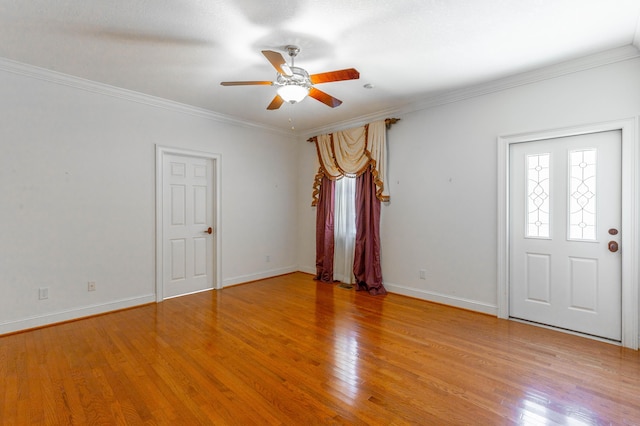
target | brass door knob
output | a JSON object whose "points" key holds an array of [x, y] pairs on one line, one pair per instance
{"points": [[209, 231], [613, 246]]}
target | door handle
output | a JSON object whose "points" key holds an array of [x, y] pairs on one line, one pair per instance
{"points": [[209, 231], [613, 246]]}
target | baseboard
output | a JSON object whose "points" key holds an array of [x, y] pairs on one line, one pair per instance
{"points": [[458, 302], [72, 314], [307, 269], [431, 296], [258, 276]]}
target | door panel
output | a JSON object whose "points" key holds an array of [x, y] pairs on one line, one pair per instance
{"points": [[538, 277], [199, 257], [565, 194], [178, 261], [188, 249], [583, 284], [177, 204], [200, 205]]}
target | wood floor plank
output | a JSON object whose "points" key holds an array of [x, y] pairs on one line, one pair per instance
{"points": [[291, 351]]}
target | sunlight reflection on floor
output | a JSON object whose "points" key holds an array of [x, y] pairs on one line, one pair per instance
{"points": [[539, 410], [345, 366]]}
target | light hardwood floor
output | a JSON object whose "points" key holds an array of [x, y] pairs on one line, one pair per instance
{"points": [[288, 350]]}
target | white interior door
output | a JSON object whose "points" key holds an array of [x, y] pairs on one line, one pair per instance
{"points": [[188, 222], [565, 219]]}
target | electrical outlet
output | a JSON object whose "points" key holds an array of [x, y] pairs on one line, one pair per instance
{"points": [[423, 274], [43, 293], [91, 286], [267, 258]]}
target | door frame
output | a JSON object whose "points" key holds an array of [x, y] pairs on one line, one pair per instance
{"points": [[161, 151], [630, 221]]}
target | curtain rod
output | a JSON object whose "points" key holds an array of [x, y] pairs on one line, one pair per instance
{"points": [[388, 122]]}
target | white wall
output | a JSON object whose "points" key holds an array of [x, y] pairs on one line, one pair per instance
{"points": [[443, 180], [77, 191], [77, 185]]}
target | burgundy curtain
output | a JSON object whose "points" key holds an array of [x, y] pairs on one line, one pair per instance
{"points": [[324, 231], [366, 265]]}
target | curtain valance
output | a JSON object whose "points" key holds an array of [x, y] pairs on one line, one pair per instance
{"points": [[350, 153]]}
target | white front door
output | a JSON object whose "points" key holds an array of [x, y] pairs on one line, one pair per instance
{"points": [[188, 221], [565, 229]]}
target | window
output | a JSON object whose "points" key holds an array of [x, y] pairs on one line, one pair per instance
{"points": [[538, 198]]}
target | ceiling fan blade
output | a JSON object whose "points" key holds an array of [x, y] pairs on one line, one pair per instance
{"points": [[246, 83], [278, 62], [327, 77], [325, 98], [276, 103]]}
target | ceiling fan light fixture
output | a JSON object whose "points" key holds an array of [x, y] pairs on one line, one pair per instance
{"points": [[293, 93], [294, 83]]}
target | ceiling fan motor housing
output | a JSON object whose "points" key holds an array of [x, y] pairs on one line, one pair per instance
{"points": [[294, 83], [299, 77]]}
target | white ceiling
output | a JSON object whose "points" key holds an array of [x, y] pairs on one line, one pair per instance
{"points": [[409, 50]]}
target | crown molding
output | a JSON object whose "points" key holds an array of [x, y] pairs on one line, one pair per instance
{"points": [[56, 77], [607, 57], [347, 124]]}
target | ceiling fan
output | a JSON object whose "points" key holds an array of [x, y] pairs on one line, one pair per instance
{"points": [[294, 83]]}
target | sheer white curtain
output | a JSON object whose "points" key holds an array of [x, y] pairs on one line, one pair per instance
{"points": [[344, 229], [343, 157]]}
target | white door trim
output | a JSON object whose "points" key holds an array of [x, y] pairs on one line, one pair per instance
{"points": [[161, 151], [630, 220]]}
